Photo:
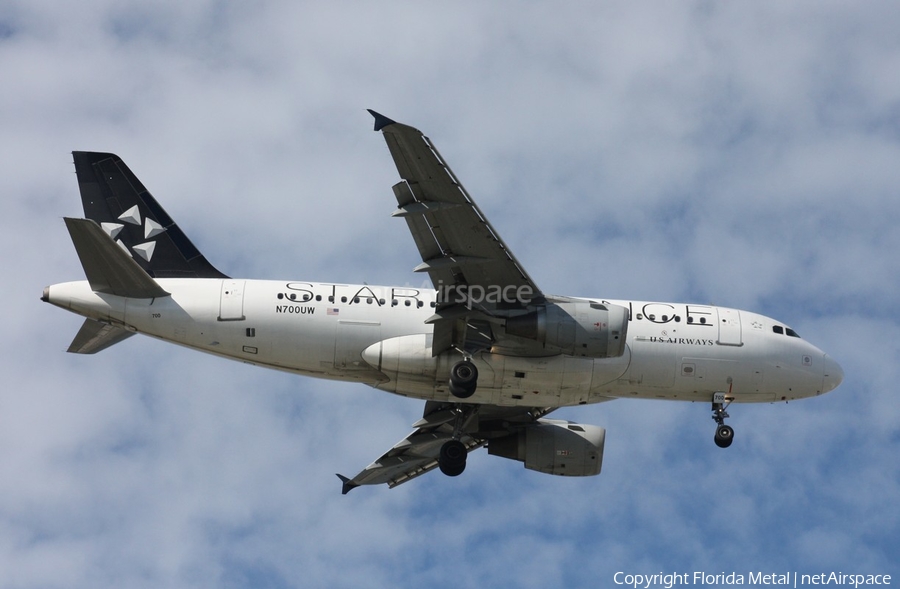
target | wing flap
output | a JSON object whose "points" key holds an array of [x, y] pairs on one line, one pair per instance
{"points": [[411, 457], [418, 452]]}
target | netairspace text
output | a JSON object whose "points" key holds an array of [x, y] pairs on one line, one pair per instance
{"points": [[786, 579]]}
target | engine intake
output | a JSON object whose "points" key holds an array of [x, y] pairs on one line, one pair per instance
{"points": [[586, 329], [556, 447]]}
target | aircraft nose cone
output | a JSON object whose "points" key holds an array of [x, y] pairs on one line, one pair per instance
{"points": [[833, 374]]}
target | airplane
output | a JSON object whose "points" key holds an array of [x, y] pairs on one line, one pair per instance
{"points": [[489, 352]]}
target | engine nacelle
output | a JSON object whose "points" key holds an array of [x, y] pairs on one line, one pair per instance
{"points": [[553, 446], [585, 329]]}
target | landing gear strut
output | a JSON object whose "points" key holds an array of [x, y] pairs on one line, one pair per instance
{"points": [[463, 379], [724, 433]]}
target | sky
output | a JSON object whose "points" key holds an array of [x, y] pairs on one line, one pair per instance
{"points": [[742, 154]]}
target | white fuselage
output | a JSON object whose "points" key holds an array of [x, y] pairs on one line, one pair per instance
{"points": [[378, 336]]}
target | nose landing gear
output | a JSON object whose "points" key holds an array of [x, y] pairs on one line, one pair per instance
{"points": [[724, 433]]}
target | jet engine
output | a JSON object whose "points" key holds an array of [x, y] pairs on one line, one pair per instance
{"points": [[586, 329], [553, 446]]}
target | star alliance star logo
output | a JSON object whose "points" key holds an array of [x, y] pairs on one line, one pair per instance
{"points": [[133, 217]]}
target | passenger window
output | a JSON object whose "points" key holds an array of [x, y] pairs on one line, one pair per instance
{"points": [[407, 302]]}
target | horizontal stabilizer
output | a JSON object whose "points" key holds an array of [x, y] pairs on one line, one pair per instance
{"points": [[108, 267], [95, 336]]}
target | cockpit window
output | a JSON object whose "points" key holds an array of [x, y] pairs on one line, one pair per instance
{"points": [[785, 331]]}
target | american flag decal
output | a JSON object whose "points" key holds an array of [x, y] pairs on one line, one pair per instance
{"points": [[332, 311]]}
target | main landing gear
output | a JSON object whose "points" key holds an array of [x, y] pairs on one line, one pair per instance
{"points": [[463, 379], [452, 459], [724, 433]]}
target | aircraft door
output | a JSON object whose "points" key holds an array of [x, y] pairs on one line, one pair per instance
{"points": [[231, 303], [729, 327]]}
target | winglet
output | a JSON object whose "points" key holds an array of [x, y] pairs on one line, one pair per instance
{"points": [[381, 121], [348, 484]]}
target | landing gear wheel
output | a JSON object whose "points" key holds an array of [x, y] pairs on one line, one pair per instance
{"points": [[463, 379], [452, 460], [724, 436]]}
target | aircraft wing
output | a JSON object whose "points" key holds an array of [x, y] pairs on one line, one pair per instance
{"points": [[418, 452], [460, 250]]}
